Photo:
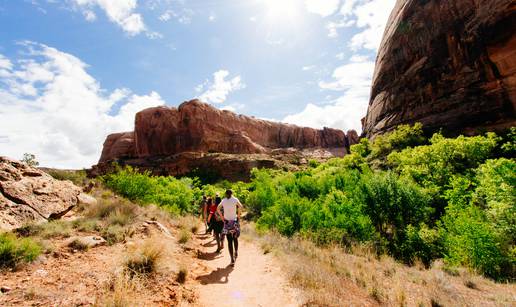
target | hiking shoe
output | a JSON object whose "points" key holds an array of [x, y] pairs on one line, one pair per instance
{"points": [[218, 250]]}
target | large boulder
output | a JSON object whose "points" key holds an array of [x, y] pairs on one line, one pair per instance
{"points": [[29, 195], [195, 135], [446, 64]]}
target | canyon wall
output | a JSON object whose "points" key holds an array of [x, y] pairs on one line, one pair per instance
{"points": [[446, 64]]}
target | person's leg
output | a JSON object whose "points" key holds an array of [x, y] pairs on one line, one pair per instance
{"points": [[217, 238], [235, 243], [230, 246]]}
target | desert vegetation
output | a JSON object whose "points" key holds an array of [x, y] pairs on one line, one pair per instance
{"points": [[328, 276], [413, 197]]}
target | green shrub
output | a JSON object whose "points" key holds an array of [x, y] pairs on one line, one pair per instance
{"points": [[175, 195], [285, 215], [471, 242], [336, 219], [78, 177], [263, 192], [115, 233], [14, 251], [402, 137]]}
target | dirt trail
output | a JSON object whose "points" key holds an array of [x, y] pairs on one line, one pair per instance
{"points": [[256, 279]]}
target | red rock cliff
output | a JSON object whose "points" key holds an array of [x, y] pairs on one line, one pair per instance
{"points": [[197, 127], [449, 64]]}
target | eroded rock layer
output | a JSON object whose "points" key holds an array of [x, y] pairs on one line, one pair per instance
{"points": [[176, 140], [29, 195], [446, 64]]}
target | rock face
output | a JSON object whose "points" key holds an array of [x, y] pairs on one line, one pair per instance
{"points": [[175, 141], [446, 64], [29, 195]]}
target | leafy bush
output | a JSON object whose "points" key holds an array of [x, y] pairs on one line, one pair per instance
{"points": [[285, 215], [337, 220], [452, 198], [77, 177], [14, 251], [173, 194], [404, 136]]}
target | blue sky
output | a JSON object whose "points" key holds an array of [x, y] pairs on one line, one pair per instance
{"points": [[73, 71]]}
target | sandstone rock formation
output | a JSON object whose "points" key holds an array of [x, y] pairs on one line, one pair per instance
{"points": [[175, 141], [29, 195], [446, 64]]}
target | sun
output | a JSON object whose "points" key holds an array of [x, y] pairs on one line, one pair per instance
{"points": [[286, 10]]}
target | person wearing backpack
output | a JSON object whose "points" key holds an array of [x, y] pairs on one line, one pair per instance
{"points": [[232, 208], [216, 224]]}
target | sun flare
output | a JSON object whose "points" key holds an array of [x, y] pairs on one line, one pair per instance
{"points": [[282, 9]]}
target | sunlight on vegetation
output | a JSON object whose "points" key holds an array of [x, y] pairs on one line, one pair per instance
{"points": [[415, 198], [15, 251]]}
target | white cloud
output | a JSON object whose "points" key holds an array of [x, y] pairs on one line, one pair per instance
{"points": [[372, 16], [369, 16], [353, 79], [351, 75], [308, 67], [5, 63], [357, 58], [218, 90], [345, 112], [120, 12], [51, 106], [234, 107], [89, 15], [322, 7], [334, 26], [183, 16]]}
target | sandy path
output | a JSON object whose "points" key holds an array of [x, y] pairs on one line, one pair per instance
{"points": [[256, 279]]}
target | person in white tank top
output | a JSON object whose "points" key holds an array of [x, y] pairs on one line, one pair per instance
{"points": [[231, 216]]}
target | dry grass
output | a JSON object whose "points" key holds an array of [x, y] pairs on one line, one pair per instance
{"points": [[145, 259], [182, 275], [78, 245], [330, 276], [52, 229], [194, 229], [121, 291], [184, 236]]}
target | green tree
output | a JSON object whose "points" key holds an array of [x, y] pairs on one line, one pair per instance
{"points": [[30, 160]]}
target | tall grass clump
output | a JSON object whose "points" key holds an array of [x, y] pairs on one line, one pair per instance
{"points": [[144, 260]]}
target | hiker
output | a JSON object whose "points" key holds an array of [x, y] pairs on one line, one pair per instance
{"points": [[217, 199], [216, 224], [231, 216], [203, 208]]}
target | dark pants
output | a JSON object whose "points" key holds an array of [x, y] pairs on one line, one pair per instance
{"points": [[232, 244], [217, 226]]}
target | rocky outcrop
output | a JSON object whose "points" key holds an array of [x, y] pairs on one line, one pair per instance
{"points": [[118, 145], [175, 141], [199, 127], [446, 64], [29, 195]]}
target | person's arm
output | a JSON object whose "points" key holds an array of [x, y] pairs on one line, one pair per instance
{"points": [[205, 212], [239, 209], [220, 213]]}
